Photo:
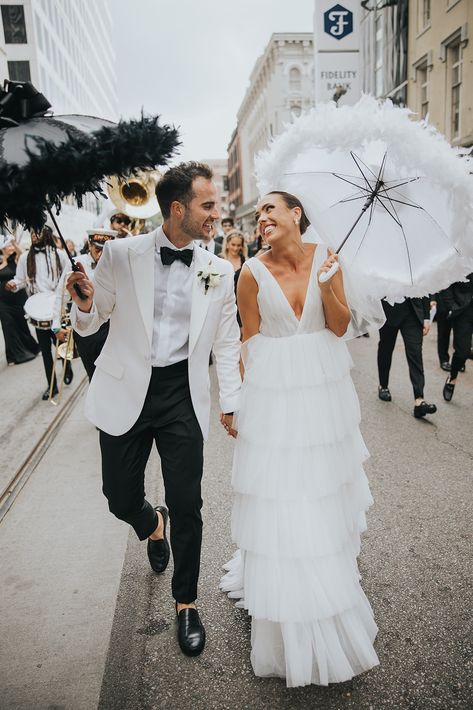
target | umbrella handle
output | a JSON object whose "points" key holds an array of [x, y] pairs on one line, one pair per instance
{"points": [[326, 275], [76, 287]]}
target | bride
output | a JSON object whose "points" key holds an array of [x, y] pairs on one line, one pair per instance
{"points": [[300, 492]]}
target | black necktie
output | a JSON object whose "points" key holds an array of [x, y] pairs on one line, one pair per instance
{"points": [[168, 256]]}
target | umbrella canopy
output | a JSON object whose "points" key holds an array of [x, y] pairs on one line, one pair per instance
{"points": [[393, 185], [44, 159]]}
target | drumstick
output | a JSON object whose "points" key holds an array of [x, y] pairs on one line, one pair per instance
{"points": [[73, 263]]}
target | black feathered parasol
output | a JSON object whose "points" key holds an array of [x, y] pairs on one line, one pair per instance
{"points": [[44, 159]]}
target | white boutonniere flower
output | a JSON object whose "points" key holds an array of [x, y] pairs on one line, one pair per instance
{"points": [[209, 278]]}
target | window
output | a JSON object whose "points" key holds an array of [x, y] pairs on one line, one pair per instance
{"points": [[423, 90], [294, 79], [379, 83], [425, 13], [19, 71], [14, 27], [455, 68]]}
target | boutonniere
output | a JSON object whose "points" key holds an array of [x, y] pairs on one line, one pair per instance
{"points": [[209, 278]]}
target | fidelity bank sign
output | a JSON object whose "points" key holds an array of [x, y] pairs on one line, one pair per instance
{"points": [[336, 43]]}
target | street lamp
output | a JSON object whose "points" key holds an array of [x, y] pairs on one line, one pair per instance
{"points": [[386, 3]]}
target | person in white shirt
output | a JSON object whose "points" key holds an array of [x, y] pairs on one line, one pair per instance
{"points": [[90, 347], [170, 303], [209, 244], [39, 271]]}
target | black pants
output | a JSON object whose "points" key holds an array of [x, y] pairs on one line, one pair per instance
{"points": [[168, 418], [462, 326], [444, 328], [46, 340], [20, 346], [411, 331], [90, 347]]}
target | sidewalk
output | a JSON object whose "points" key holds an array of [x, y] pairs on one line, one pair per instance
{"points": [[61, 559]]}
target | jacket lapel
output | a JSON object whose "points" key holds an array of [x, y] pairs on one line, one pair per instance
{"points": [[200, 299], [141, 257]]}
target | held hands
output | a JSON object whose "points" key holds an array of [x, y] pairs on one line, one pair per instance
{"points": [[426, 328], [326, 266], [227, 422], [80, 278], [10, 285]]}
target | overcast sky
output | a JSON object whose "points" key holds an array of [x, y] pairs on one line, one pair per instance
{"points": [[191, 61]]}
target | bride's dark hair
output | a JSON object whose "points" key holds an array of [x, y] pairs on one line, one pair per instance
{"points": [[292, 201]]}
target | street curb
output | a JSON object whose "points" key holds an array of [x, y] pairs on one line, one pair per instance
{"points": [[22, 474]]}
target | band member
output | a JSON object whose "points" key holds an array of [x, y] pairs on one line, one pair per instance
{"points": [[90, 347], [120, 223], [39, 271], [169, 303]]}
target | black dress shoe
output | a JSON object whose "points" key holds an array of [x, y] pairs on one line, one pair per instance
{"points": [[420, 410], [448, 390], [46, 394], [68, 376], [384, 394], [190, 631], [158, 550], [446, 366]]}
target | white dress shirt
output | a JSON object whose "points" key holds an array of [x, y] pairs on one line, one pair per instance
{"points": [[44, 281], [172, 307], [208, 246]]}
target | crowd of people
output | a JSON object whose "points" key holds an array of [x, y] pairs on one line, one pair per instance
{"points": [[146, 322]]}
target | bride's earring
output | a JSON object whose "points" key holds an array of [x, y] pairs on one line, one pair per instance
{"points": [[296, 221]]}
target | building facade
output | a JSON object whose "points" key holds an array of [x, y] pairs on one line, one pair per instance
{"points": [[384, 49], [441, 66], [65, 48], [281, 87], [234, 174], [220, 170]]}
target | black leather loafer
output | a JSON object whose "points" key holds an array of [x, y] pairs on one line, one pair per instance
{"points": [[190, 632], [384, 394], [45, 396], [446, 366], [68, 377], [420, 410], [448, 390], [158, 550]]}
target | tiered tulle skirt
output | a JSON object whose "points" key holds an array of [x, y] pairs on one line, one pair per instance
{"points": [[299, 510]]}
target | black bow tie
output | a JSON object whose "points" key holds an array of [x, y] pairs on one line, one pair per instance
{"points": [[168, 256]]}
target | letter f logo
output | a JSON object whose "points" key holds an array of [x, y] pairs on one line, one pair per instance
{"points": [[338, 22]]}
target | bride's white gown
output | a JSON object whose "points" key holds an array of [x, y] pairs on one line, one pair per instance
{"points": [[300, 496]]}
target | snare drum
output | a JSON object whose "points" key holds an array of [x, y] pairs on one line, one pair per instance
{"points": [[39, 310]]}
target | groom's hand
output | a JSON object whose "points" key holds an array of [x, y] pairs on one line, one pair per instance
{"points": [[227, 422]]}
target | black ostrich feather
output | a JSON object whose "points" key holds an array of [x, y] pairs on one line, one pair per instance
{"points": [[79, 166]]}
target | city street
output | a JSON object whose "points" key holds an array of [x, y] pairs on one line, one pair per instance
{"points": [[86, 624]]}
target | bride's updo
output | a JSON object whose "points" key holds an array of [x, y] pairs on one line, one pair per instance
{"points": [[292, 201]]}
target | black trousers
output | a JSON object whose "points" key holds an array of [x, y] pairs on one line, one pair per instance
{"points": [[46, 340], [462, 326], [411, 331], [169, 419], [444, 328], [90, 347]]}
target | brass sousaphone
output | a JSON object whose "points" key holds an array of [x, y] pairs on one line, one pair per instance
{"points": [[136, 196]]}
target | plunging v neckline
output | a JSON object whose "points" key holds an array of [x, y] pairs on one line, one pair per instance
{"points": [[309, 283]]}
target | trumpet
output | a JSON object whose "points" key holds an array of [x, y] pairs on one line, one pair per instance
{"points": [[65, 351]]}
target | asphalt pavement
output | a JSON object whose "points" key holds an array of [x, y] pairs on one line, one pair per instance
{"points": [[89, 625]]}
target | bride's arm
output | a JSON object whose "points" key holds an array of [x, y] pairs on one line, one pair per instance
{"points": [[247, 292], [336, 311]]}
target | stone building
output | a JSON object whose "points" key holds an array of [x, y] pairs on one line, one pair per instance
{"points": [[281, 86], [440, 82]]}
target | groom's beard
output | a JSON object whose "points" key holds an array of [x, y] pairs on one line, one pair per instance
{"points": [[192, 228]]}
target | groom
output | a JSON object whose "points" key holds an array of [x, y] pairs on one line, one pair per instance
{"points": [[169, 303]]}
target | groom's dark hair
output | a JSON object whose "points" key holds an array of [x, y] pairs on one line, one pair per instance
{"points": [[176, 184]]}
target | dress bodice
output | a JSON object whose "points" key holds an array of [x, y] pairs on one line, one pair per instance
{"points": [[278, 319]]}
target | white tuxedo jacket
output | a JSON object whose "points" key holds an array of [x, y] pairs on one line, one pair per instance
{"points": [[124, 283]]}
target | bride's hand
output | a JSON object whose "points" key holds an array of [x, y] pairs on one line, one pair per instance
{"points": [[227, 422], [326, 266]]}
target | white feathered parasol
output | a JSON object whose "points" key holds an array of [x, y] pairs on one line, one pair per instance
{"points": [[394, 186]]}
